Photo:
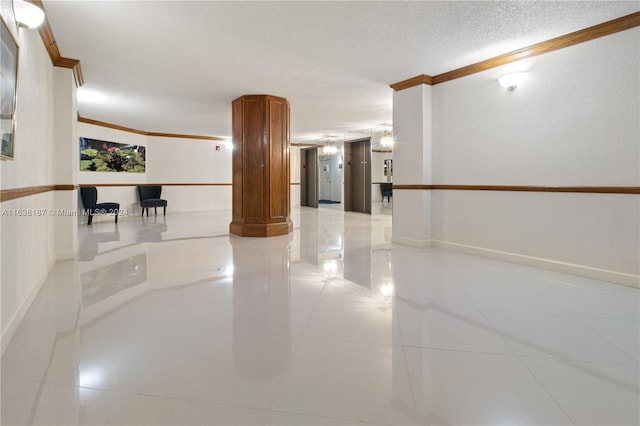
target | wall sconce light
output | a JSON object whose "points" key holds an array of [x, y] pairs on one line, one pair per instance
{"points": [[387, 140], [28, 14], [511, 80]]}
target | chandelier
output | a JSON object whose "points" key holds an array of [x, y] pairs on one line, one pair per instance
{"points": [[330, 148], [387, 139]]}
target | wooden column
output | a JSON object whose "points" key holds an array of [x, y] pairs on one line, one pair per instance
{"points": [[261, 167]]}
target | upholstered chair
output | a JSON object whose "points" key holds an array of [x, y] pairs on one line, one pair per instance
{"points": [[89, 196], [387, 191], [150, 197]]}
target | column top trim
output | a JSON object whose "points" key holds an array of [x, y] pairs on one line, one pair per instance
{"points": [[271, 97]]}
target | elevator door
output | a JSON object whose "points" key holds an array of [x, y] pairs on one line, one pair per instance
{"points": [[357, 179], [309, 177]]}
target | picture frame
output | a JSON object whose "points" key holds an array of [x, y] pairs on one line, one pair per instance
{"points": [[8, 90], [97, 155]]}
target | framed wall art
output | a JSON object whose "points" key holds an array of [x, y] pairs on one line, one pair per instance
{"points": [[8, 90], [103, 156]]}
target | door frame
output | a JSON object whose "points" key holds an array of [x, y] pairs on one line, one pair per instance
{"points": [[321, 175], [365, 191], [309, 177]]}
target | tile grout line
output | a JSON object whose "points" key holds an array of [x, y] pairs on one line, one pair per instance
{"points": [[535, 377], [520, 361], [577, 318], [300, 337]]}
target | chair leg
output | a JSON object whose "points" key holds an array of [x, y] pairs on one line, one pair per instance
{"points": [[165, 210], [90, 219], [147, 211], [116, 217], [155, 210]]}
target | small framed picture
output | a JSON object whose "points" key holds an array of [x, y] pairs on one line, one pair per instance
{"points": [[8, 90]]}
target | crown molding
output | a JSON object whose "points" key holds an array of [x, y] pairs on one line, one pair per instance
{"points": [[174, 135], [74, 65], [50, 44], [411, 82], [110, 126], [145, 133], [567, 40]]}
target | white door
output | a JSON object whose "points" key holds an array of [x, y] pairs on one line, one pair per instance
{"points": [[325, 179]]}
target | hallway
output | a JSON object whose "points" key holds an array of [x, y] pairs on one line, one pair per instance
{"points": [[170, 320]]}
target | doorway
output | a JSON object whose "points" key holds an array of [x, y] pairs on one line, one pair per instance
{"points": [[357, 176], [330, 180], [309, 177], [325, 179]]}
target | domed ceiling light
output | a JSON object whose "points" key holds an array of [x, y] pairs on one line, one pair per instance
{"points": [[28, 14]]}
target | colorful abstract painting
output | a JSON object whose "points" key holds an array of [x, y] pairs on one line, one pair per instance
{"points": [[102, 156]]}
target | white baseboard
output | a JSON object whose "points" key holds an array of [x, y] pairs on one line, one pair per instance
{"points": [[66, 255], [411, 242], [538, 262], [16, 319]]}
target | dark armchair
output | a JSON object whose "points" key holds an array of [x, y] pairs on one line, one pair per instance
{"points": [[387, 191], [89, 196], [150, 197]]}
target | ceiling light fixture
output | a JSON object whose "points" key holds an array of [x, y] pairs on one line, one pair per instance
{"points": [[330, 148], [511, 80], [28, 14], [387, 140]]}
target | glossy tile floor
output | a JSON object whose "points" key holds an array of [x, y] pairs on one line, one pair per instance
{"points": [[172, 321]]}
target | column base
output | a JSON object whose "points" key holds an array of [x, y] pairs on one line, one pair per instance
{"points": [[261, 229]]}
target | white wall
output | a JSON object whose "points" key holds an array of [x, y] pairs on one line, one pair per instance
{"points": [[176, 160], [28, 243], [573, 122], [412, 159], [168, 160], [66, 160]]}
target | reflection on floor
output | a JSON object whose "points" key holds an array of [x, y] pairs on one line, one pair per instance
{"points": [[173, 321], [385, 208]]}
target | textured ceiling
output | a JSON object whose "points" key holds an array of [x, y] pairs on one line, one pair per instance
{"points": [[175, 66]]}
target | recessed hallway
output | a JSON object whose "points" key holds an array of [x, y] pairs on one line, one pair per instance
{"points": [[173, 321]]}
